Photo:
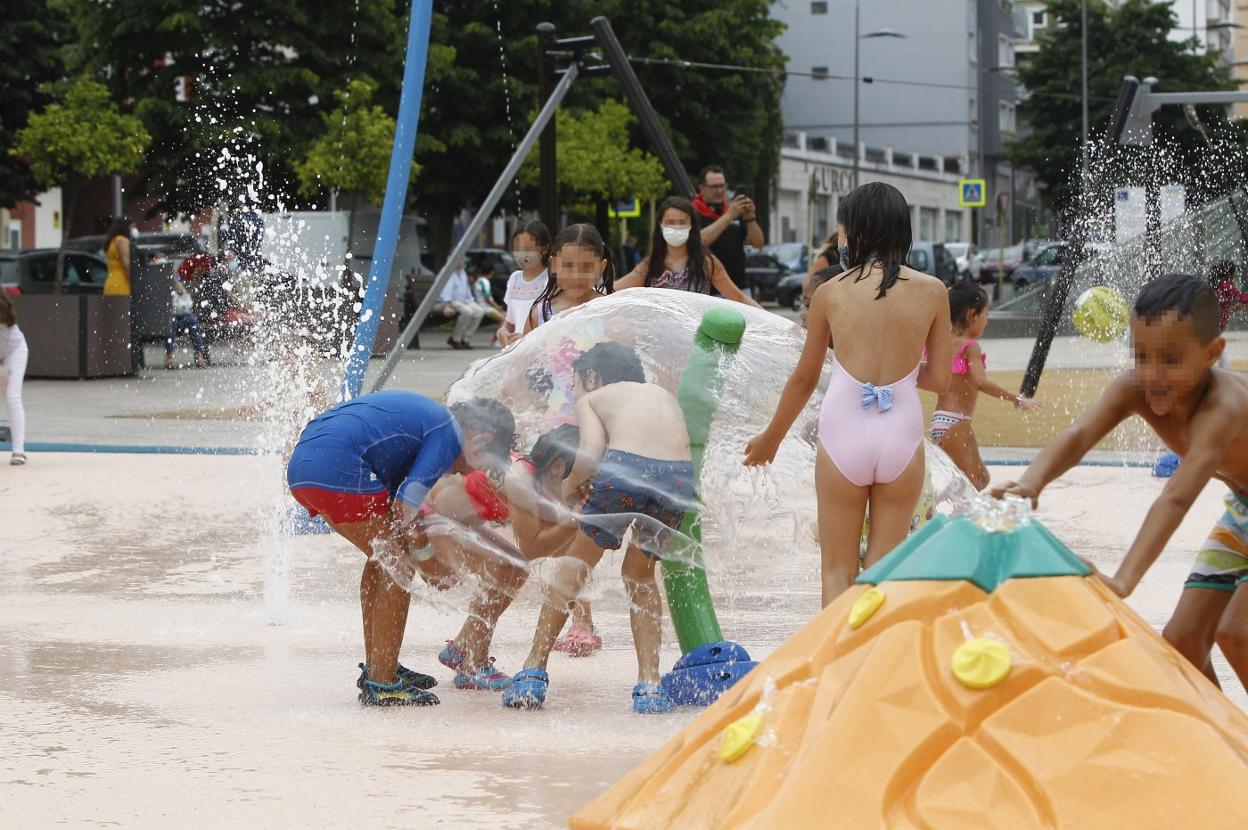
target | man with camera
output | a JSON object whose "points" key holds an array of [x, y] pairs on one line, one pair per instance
{"points": [[727, 226]]}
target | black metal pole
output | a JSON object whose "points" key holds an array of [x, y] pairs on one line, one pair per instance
{"points": [[1055, 303], [614, 54], [548, 178]]}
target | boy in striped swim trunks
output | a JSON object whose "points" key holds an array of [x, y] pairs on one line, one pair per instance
{"points": [[1201, 413]]}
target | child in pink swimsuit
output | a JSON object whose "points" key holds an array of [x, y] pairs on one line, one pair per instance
{"points": [[879, 315], [951, 422]]}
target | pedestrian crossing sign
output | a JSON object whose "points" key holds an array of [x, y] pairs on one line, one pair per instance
{"points": [[972, 193], [625, 210]]}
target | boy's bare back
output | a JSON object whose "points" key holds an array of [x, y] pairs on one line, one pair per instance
{"points": [[643, 419]]}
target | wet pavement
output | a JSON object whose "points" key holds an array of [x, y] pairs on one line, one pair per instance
{"points": [[168, 659]]}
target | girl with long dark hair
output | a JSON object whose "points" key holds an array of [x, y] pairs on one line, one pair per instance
{"points": [[880, 316], [580, 271], [679, 260]]}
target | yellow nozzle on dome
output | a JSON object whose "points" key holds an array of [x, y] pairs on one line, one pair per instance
{"points": [[739, 736], [981, 663], [865, 606]]}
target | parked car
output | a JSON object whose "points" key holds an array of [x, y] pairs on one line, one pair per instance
{"points": [[1002, 260], [34, 272], [1042, 267], [502, 260], [969, 260], [789, 291], [763, 273], [933, 258], [792, 255], [176, 246]]}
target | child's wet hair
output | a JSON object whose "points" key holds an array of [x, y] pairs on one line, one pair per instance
{"points": [[965, 296], [8, 314], [823, 275], [612, 362], [587, 236], [540, 234], [876, 219], [1185, 294], [561, 443], [482, 416]]}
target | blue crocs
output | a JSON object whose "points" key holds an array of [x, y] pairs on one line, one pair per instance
{"points": [[528, 689], [650, 699]]}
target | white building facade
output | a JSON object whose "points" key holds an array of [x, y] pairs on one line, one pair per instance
{"points": [[814, 175]]}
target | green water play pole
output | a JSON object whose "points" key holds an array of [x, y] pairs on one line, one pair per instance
{"points": [[688, 596]]}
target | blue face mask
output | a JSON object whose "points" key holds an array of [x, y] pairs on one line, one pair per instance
{"points": [[842, 254]]}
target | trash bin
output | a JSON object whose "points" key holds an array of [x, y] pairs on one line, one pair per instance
{"points": [[75, 335]]}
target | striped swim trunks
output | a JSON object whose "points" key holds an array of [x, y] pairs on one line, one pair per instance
{"points": [[1222, 562]]}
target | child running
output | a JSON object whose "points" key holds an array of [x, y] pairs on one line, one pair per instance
{"points": [[13, 357], [579, 272], [634, 459], [951, 422], [367, 466], [1201, 413], [531, 248], [1230, 298], [878, 315]]}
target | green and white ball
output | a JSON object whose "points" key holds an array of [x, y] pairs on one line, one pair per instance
{"points": [[1101, 314]]}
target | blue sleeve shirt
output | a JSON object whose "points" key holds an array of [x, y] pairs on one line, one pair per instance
{"points": [[403, 440]]}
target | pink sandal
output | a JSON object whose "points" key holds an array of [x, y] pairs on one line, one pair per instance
{"points": [[579, 642]]}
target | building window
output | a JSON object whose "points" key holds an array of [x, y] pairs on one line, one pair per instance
{"points": [[953, 226], [1005, 51], [972, 44], [818, 8], [1037, 18], [820, 72], [927, 224], [1005, 112], [823, 216]]}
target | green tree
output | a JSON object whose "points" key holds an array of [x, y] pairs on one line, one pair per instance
{"points": [[260, 75], [78, 139], [727, 117], [596, 162], [30, 60], [352, 156], [1129, 40]]}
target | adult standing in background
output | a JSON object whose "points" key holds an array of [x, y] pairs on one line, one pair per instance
{"points": [[118, 249], [727, 227], [13, 357]]}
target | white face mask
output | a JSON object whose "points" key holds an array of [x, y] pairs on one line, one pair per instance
{"points": [[675, 235], [527, 259]]}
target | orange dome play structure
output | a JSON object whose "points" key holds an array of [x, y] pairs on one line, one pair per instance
{"points": [[973, 679]]}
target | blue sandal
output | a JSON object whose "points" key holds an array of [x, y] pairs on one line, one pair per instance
{"points": [[528, 689], [650, 699]]}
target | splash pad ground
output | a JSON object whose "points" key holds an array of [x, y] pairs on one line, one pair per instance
{"points": [[143, 681]]}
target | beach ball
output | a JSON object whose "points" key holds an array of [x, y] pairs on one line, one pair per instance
{"points": [[1101, 314]]}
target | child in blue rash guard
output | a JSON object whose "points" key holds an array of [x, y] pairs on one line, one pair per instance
{"points": [[367, 466]]}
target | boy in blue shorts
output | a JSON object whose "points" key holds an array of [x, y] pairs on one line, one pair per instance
{"points": [[633, 468], [1201, 413], [367, 466]]}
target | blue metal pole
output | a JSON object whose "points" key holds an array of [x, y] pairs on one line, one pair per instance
{"points": [[396, 196]]}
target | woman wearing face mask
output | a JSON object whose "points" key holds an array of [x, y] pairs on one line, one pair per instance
{"points": [[678, 259], [117, 248]]}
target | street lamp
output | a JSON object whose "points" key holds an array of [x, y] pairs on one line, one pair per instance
{"points": [[858, 38]]}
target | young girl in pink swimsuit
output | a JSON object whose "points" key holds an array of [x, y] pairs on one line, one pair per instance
{"points": [[879, 316], [951, 422]]}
